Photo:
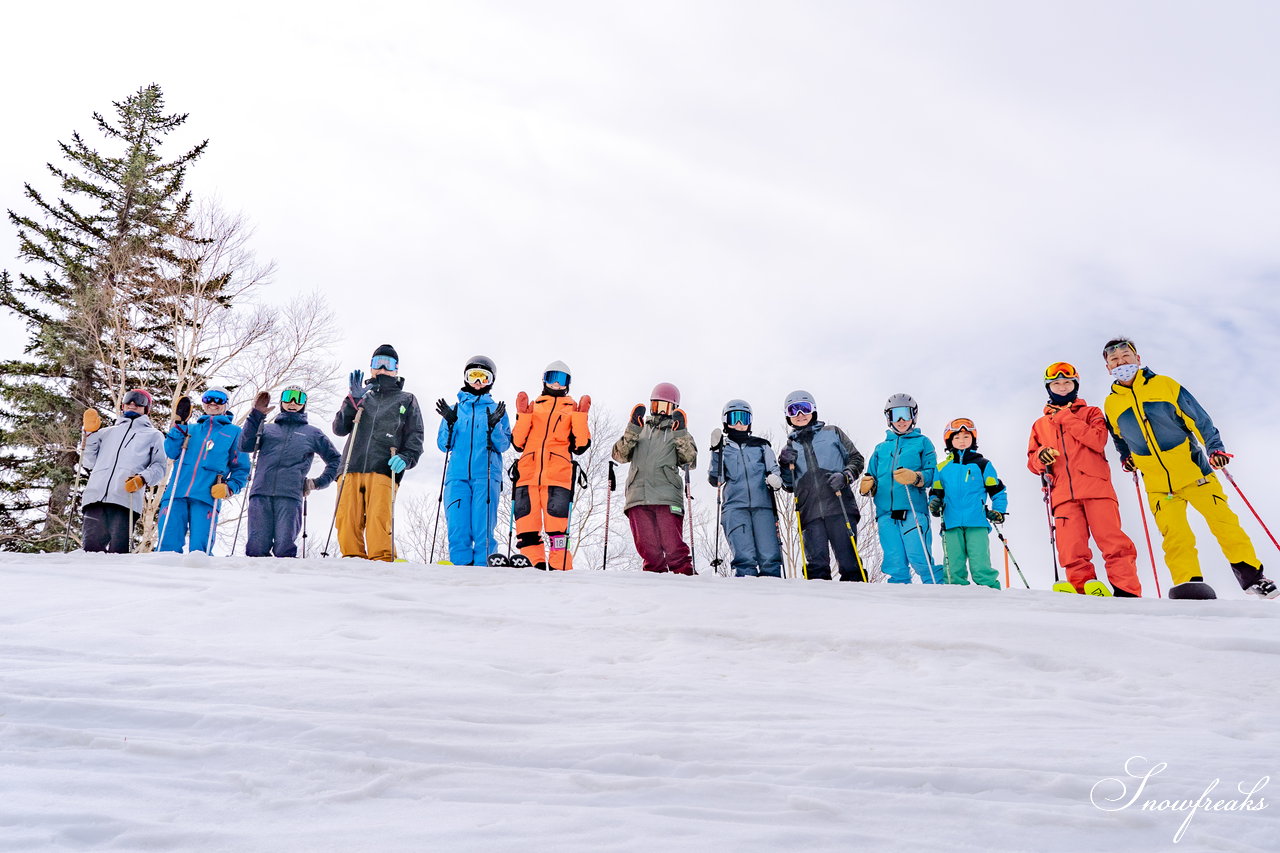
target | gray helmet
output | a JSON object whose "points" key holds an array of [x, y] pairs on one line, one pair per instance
{"points": [[735, 406], [482, 361], [900, 400]]}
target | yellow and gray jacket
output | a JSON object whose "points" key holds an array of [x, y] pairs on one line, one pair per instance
{"points": [[1163, 429]]}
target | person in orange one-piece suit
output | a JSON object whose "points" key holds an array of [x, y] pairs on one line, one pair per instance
{"points": [[547, 433], [1068, 447]]}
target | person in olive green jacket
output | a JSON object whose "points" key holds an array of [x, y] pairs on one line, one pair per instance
{"points": [[658, 447]]}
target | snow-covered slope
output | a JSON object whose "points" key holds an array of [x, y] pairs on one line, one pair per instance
{"points": [[177, 703]]}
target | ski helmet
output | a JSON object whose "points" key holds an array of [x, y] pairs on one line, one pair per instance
{"points": [[557, 367], [898, 401], [480, 362], [137, 397], [294, 394], [666, 392], [736, 412], [959, 425]]}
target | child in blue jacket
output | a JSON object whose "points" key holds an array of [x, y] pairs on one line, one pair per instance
{"points": [[475, 432], [210, 469], [964, 482], [900, 469], [744, 464]]}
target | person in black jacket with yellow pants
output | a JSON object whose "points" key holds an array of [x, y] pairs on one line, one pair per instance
{"points": [[385, 425]]}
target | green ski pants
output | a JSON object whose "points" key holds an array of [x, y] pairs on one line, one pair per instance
{"points": [[967, 549]]}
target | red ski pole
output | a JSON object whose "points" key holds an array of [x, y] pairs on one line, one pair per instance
{"points": [[1142, 511], [1233, 482]]}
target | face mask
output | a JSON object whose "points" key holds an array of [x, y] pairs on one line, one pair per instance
{"points": [[1125, 372]]}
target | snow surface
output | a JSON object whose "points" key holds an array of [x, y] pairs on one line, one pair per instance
{"points": [[166, 702]]}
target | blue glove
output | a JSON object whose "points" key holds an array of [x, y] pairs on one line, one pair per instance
{"points": [[935, 506], [356, 384], [397, 464], [997, 517]]}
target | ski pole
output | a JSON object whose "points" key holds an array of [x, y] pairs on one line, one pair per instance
{"points": [[394, 486], [304, 526], [342, 480], [1059, 585], [71, 497], [244, 508], [576, 475], [173, 487], [853, 539], [435, 530], [608, 506], [717, 562], [693, 550], [795, 498], [924, 543], [217, 511], [1233, 482], [1009, 554], [1142, 511]]}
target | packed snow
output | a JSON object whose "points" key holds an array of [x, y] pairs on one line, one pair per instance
{"points": [[169, 702]]}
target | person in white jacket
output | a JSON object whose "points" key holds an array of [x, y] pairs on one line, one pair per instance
{"points": [[122, 460]]}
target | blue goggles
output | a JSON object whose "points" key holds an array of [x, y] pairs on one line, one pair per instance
{"points": [[901, 413], [803, 407], [738, 419], [555, 377], [383, 362], [216, 398]]}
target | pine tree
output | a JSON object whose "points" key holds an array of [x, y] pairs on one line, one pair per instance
{"points": [[103, 260]]}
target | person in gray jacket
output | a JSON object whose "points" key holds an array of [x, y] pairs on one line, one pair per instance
{"points": [[657, 448], [819, 464], [122, 460], [746, 467]]}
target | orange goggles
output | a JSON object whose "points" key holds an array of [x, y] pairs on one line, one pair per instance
{"points": [[958, 425], [1060, 370]]}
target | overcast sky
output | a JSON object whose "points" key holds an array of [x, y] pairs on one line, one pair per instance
{"points": [[742, 198]]}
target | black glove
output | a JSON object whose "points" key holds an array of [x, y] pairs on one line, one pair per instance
{"points": [[1219, 458], [495, 417], [1127, 464], [997, 517], [355, 384], [678, 420], [787, 458], [449, 413], [182, 411], [637, 415], [935, 506], [837, 481]]}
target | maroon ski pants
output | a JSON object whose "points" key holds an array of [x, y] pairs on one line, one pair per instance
{"points": [[660, 540]]}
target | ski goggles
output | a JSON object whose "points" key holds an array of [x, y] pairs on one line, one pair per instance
{"points": [[214, 398], [1119, 346], [555, 377], [738, 419], [293, 395], [662, 407], [901, 413], [137, 397], [479, 374], [800, 407], [383, 362], [960, 425], [1060, 370]]}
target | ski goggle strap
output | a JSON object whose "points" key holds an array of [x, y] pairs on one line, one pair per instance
{"points": [[738, 418], [293, 395], [556, 377], [383, 362], [479, 374], [1060, 370], [901, 413], [214, 398], [800, 407]]}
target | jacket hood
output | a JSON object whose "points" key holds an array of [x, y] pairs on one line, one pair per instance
{"points": [[1074, 405], [142, 420]]}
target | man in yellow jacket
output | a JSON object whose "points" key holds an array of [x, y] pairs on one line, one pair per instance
{"points": [[1160, 430]]}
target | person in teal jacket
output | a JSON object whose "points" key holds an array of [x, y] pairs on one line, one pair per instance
{"points": [[475, 433], [965, 481], [210, 468], [900, 469]]}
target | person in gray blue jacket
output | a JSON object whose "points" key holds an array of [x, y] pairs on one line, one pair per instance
{"points": [[284, 451], [122, 461], [819, 461], [745, 466], [901, 468]]}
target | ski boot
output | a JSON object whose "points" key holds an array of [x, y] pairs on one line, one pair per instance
{"points": [[1264, 589], [1194, 589]]}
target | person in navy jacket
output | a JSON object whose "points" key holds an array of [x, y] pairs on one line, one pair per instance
{"points": [[210, 468], [285, 449]]}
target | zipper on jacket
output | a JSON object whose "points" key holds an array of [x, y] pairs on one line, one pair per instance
{"points": [[1150, 435], [119, 449], [1062, 442]]}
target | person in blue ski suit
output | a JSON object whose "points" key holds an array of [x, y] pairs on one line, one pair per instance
{"points": [[900, 469], [818, 461], [210, 468], [745, 466], [966, 480], [475, 433], [285, 449]]}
